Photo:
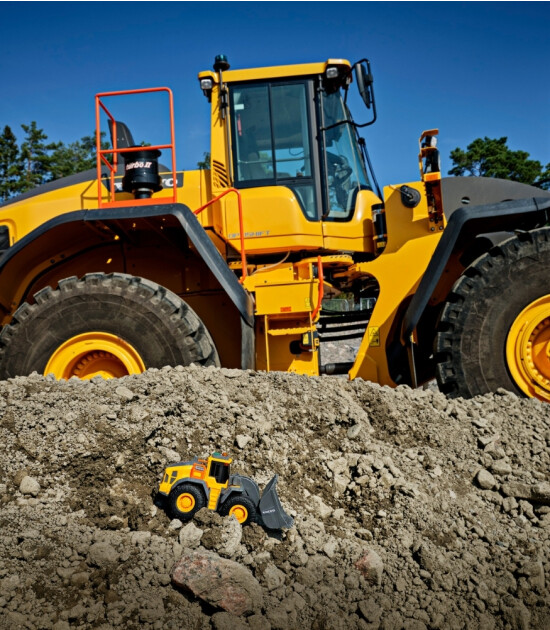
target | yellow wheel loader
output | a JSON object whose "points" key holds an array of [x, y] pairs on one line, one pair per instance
{"points": [[191, 486], [134, 265]]}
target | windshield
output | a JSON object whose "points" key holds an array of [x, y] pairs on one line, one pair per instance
{"points": [[346, 173]]}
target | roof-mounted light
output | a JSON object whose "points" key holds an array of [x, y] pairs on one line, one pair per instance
{"points": [[332, 72], [206, 86]]}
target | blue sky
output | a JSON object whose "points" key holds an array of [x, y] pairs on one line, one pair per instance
{"points": [[469, 68]]}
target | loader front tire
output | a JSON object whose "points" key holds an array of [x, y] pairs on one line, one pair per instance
{"points": [[494, 330], [110, 325], [241, 507]]}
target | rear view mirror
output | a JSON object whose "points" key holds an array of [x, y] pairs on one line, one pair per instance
{"points": [[364, 79]]}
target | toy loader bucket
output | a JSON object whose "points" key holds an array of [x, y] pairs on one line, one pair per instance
{"points": [[273, 515]]}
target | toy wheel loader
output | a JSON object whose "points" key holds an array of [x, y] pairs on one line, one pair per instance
{"points": [[190, 486]]}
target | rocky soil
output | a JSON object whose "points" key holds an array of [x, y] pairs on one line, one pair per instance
{"points": [[411, 511]]}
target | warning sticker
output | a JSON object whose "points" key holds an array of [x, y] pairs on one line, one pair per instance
{"points": [[374, 335]]}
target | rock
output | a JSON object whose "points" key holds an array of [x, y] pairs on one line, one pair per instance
{"points": [[485, 480], [320, 508], [125, 393], [170, 454], [190, 536], [29, 485], [219, 582], [242, 440], [273, 577], [19, 476], [486, 440], [231, 535], [175, 524], [102, 554], [501, 467], [534, 492], [354, 431], [370, 611], [370, 565]]}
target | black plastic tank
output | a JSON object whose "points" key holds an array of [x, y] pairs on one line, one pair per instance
{"points": [[141, 172]]}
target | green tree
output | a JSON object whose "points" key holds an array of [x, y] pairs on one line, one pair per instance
{"points": [[491, 157], [204, 164], [10, 165], [74, 158], [35, 156]]}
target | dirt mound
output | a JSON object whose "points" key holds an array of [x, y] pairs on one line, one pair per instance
{"points": [[411, 511]]}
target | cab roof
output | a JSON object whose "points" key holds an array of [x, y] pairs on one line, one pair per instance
{"points": [[276, 72]]}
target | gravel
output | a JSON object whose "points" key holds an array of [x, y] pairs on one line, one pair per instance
{"points": [[411, 510]]}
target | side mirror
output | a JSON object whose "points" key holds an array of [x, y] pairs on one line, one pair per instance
{"points": [[364, 79]]}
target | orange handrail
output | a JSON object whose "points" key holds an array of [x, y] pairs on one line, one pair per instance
{"points": [[233, 190], [101, 153]]}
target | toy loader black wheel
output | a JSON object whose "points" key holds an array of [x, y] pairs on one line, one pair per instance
{"points": [[241, 507], [109, 325], [185, 501], [494, 331]]}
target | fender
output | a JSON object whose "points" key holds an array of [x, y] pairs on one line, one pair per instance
{"points": [[465, 223], [90, 227], [240, 484]]}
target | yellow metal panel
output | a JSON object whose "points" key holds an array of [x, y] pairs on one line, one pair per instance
{"points": [[273, 221], [298, 297], [355, 235], [412, 240], [276, 72], [181, 472], [280, 358]]}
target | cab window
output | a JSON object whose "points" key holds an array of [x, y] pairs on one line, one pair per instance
{"points": [[219, 471], [272, 143]]}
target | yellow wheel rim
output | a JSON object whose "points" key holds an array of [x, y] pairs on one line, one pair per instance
{"points": [[528, 349], [185, 502], [239, 512], [94, 354]]}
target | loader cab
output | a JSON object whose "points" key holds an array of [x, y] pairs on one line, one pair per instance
{"points": [[219, 469], [288, 128]]}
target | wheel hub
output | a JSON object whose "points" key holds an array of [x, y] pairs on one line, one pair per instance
{"points": [[94, 354], [185, 503], [528, 349], [239, 512]]}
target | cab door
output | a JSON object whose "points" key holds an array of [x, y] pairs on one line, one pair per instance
{"points": [[275, 163]]}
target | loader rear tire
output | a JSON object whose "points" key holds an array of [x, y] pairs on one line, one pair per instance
{"points": [[494, 330], [103, 324], [185, 501]]}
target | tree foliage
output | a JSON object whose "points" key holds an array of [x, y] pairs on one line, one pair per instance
{"points": [[204, 164], [491, 157], [10, 172], [37, 161]]}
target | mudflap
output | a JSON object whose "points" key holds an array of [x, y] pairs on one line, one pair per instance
{"points": [[271, 510]]}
